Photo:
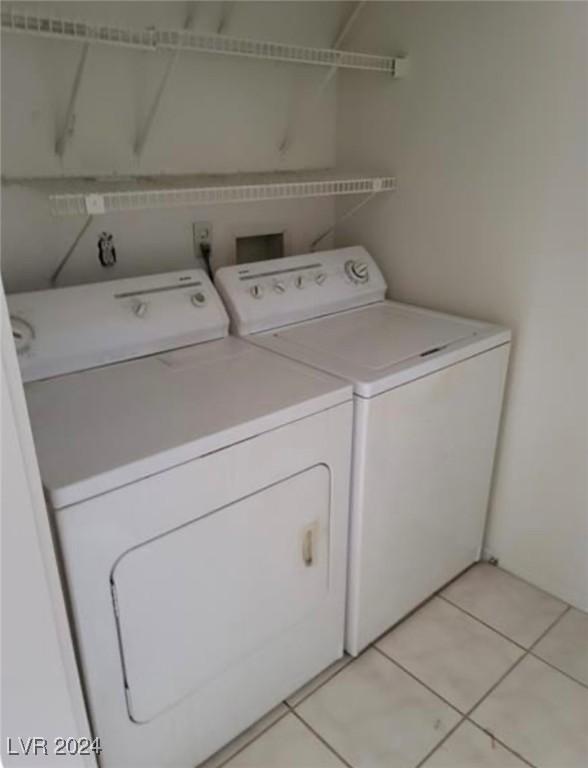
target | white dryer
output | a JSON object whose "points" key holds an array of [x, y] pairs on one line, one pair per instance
{"points": [[428, 396], [200, 499]]}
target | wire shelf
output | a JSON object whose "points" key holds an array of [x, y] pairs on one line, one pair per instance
{"points": [[175, 195], [186, 40], [68, 29]]}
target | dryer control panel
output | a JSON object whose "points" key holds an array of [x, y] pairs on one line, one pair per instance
{"points": [[84, 326], [270, 294]]}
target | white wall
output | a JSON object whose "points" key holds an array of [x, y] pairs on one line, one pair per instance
{"points": [[488, 137], [218, 115]]}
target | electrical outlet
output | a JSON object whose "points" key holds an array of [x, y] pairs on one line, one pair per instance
{"points": [[202, 232], [202, 241]]}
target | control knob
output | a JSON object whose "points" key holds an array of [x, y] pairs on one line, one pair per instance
{"points": [[357, 271], [279, 287], [23, 334], [140, 308], [256, 291], [198, 299], [300, 281], [320, 278]]}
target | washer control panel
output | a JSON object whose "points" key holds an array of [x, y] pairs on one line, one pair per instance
{"points": [[270, 294], [84, 326]]}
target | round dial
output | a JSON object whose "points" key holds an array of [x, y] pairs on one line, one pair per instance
{"points": [[198, 299], [320, 278], [279, 287], [357, 271], [23, 334], [256, 291], [300, 281]]}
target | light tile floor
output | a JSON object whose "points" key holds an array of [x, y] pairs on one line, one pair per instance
{"points": [[490, 673]]}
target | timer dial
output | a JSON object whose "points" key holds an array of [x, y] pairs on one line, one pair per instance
{"points": [[357, 271], [198, 299], [23, 334]]}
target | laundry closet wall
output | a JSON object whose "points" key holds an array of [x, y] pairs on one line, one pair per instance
{"points": [[219, 114], [488, 138]]}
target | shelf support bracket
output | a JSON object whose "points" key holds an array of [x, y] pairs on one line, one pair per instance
{"points": [[347, 215], [299, 114], [69, 121], [144, 132], [70, 251], [226, 11]]}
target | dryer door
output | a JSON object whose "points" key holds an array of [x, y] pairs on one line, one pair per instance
{"points": [[196, 600]]}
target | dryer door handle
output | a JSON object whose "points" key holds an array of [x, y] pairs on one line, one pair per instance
{"points": [[308, 545]]}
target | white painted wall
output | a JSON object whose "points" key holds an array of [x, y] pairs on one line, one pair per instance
{"points": [[219, 115], [41, 691], [488, 137]]}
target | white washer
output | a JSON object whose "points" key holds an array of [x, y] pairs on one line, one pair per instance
{"points": [[200, 498], [428, 395]]}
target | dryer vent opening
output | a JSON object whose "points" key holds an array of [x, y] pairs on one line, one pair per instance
{"points": [[259, 247]]}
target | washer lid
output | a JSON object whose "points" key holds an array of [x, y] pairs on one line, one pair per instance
{"points": [[100, 429], [383, 345]]}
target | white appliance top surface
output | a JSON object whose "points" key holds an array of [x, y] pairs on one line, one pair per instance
{"points": [[275, 293], [84, 326], [99, 429], [383, 345]]}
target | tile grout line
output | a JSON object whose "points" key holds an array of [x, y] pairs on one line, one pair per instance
{"points": [[529, 650], [439, 744], [463, 716], [324, 682], [527, 653], [483, 623], [417, 680], [291, 709], [352, 660], [466, 716], [514, 642], [499, 741], [502, 634], [452, 730], [557, 669], [549, 628], [408, 616], [321, 738], [248, 743], [475, 706]]}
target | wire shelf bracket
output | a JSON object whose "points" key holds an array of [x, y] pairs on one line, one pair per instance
{"points": [[226, 10], [200, 42], [303, 109], [67, 129], [143, 133]]}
